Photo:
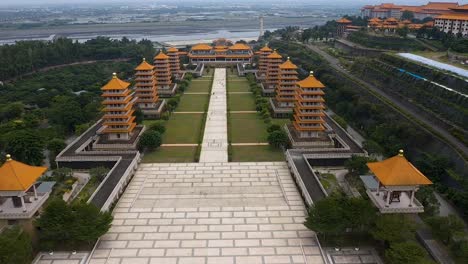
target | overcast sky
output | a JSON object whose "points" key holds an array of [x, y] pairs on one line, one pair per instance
{"points": [[351, 2]]}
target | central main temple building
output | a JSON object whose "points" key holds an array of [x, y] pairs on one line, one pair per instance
{"points": [[221, 51]]}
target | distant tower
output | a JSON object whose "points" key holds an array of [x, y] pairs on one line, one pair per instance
{"points": [[261, 26]]}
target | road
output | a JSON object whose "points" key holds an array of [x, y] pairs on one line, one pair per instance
{"points": [[447, 137]]}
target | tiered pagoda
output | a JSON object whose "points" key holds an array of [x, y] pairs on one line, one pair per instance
{"points": [[274, 60], [162, 70], [283, 103], [146, 91], [393, 185], [263, 62], [174, 62], [119, 121], [342, 24]]}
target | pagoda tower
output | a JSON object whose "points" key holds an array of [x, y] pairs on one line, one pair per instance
{"points": [[119, 121], [273, 62], [145, 85], [162, 71], [287, 79], [341, 26], [309, 109], [263, 61], [174, 61]]}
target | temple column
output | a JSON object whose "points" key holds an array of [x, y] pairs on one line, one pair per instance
{"points": [[35, 192], [23, 205], [412, 198], [387, 202]]}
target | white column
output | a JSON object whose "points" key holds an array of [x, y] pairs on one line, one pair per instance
{"points": [[35, 192], [387, 202], [412, 198], [22, 204]]}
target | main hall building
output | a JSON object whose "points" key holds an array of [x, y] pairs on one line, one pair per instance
{"points": [[221, 51]]}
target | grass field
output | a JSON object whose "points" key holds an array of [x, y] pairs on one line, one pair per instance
{"points": [[247, 128], [171, 154], [238, 86], [280, 121], [256, 153], [241, 102], [193, 103], [183, 129], [199, 86]]}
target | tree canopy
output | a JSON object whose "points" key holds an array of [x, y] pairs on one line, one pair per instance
{"points": [[15, 246]]}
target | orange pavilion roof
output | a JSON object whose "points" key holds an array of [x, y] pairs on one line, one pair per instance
{"points": [[172, 49], [310, 82], [375, 19], [266, 48], [161, 56], [274, 55], [115, 84], [453, 16], [144, 66], [239, 46], [391, 19], [17, 176], [288, 65], [397, 171], [344, 21], [202, 47]]}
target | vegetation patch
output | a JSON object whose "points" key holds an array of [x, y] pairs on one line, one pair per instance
{"points": [[256, 153], [183, 129], [171, 154], [241, 102], [247, 128], [199, 86], [193, 103]]}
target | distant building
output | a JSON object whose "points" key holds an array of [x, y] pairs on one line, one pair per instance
{"points": [[456, 21], [174, 62], [146, 90], [221, 52], [387, 10], [283, 103], [342, 24], [263, 62], [270, 82], [163, 74]]}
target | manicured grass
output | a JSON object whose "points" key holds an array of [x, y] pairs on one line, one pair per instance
{"points": [[241, 102], [171, 154], [281, 121], [202, 86], [193, 103], [256, 153], [183, 129], [247, 128], [238, 86]]}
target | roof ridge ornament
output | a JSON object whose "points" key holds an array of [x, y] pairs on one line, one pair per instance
{"points": [[8, 157], [311, 73], [114, 75], [401, 153], [144, 59]]}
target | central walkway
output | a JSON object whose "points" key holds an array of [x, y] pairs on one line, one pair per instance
{"points": [[215, 141]]}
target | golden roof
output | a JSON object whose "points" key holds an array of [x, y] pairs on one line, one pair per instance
{"points": [[115, 84], [172, 49], [375, 19], [17, 176], [202, 47], [391, 19], [274, 55], [239, 46], [310, 82], [144, 66], [397, 171], [453, 16], [266, 48], [288, 65], [161, 56], [344, 21]]}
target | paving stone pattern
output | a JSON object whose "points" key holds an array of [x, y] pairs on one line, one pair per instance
{"points": [[210, 213]]}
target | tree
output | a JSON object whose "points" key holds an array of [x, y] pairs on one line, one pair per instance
{"points": [[405, 252], [327, 217], [407, 15], [61, 224], [273, 127], [15, 246], [99, 173], [360, 212], [357, 165], [139, 116], [12, 111], [56, 145], [158, 127], [278, 138], [149, 140], [403, 31], [25, 146], [446, 228], [66, 112], [393, 228], [426, 196]]}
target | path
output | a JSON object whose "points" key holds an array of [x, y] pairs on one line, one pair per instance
{"points": [[215, 139], [446, 136]]}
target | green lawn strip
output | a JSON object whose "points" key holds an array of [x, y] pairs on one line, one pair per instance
{"points": [[256, 153], [247, 128], [170, 154], [183, 129], [241, 102], [281, 121], [193, 103], [238, 86], [199, 86]]}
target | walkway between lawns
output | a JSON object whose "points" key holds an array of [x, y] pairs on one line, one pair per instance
{"points": [[215, 138]]}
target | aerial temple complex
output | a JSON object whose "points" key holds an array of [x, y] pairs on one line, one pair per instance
{"points": [[162, 70], [283, 104], [393, 185], [174, 62]]}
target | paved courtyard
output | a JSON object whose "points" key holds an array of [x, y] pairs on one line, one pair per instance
{"points": [[210, 213]]}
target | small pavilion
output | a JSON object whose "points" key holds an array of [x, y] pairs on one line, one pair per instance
{"points": [[20, 194], [393, 185]]}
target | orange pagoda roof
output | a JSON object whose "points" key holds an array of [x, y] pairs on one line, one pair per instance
{"points": [[172, 49], [453, 16], [310, 82], [274, 55], [391, 19], [375, 19], [344, 21], [202, 47], [17, 176], [144, 66], [239, 46], [397, 171], [266, 48], [288, 65], [161, 56], [115, 84]]}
